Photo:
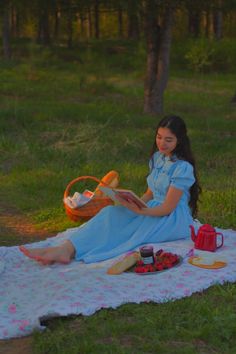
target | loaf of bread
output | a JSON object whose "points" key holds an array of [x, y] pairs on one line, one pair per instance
{"points": [[111, 179], [125, 263]]}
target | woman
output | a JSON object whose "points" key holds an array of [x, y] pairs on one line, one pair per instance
{"points": [[171, 197]]}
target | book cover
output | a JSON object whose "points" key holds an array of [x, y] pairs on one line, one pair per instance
{"points": [[126, 194]]}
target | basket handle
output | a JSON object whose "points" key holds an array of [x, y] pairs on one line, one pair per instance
{"points": [[67, 190]]}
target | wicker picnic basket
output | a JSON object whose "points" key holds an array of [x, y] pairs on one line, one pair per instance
{"points": [[91, 208]]}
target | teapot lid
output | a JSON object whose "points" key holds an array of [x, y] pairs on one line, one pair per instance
{"points": [[207, 227]]}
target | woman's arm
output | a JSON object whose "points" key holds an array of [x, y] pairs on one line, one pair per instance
{"points": [[148, 195], [172, 198], [170, 203]]}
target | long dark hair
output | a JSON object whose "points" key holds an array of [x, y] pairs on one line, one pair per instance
{"points": [[183, 151]]}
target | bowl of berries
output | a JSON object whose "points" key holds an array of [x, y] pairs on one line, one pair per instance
{"points": [[162, 261]]}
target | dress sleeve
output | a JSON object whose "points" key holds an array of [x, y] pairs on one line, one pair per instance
{"points": [[183, 177]]}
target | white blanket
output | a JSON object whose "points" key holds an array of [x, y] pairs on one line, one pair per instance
{"points": [[31, 292]]}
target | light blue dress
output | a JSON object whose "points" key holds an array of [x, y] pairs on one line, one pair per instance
{"points": [[116, 230]]}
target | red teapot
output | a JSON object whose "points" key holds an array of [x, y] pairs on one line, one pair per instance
{"points": [[206, 238]]}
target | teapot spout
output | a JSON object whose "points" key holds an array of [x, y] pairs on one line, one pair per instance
{"points": [[193, 235]]}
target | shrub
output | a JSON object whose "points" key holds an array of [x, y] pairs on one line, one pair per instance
{"points": [[224, 55], [200, 56], [211, 55]]}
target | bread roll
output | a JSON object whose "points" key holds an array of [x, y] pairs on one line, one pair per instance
{"points": [[111, 179], [122, 265]]}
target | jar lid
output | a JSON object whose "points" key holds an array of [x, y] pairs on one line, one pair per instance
{"points": [[146, 248]]}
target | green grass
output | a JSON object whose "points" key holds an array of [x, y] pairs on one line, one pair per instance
{"points": [[202, 323], [60, 120]]}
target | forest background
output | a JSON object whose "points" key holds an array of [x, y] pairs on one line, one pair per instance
{"points": [[83, 85]]}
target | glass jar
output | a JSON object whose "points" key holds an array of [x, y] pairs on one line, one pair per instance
{"points": [[147, 255]]}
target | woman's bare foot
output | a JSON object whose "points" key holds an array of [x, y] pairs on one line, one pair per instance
{"points": [[32, 252], [60, 254]]}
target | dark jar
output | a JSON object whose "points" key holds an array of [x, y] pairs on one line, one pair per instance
{"points": [[147, 255]]}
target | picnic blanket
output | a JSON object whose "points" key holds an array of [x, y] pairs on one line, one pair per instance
{"points": [[30, 292]]}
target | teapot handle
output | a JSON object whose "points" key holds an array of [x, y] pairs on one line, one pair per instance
{"points": [[222, 239]]}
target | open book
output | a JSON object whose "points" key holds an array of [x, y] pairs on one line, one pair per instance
{"points": [[126, 194], [78, 199]]}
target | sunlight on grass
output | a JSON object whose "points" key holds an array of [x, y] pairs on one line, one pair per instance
{"points": [[61, 120], [88, 124]]}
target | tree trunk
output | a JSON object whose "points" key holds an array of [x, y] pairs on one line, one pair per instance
{"points": [[120, 22], [82, 25], [158, 52], [194, 22], [217, 24], [39, 29], [43, 28], [69, 28], [90, 25], [13, 22], [133, 20], [6, 32], [56, 24], [17, 24], [207, 23], [46, 33], [96, 18]]}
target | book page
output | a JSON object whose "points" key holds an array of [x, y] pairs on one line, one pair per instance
{"points": [[126, 194], [129, 196]]}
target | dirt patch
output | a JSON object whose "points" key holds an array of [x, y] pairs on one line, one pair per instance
{"points": [[15, 229], [16, 346]]}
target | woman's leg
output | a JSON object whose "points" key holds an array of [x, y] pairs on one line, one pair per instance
{"points": [[59, 254]]}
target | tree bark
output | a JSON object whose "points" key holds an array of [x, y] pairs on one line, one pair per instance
{"points": [[56, 24], [6, 31], [120, 22], [158, 52], [13, 21], [207, 23], [217, 24], [17, 24], [43, 28], [194, 22], [133, 20], [82, 20], [69, 28], [89, 24], [96, 18]]}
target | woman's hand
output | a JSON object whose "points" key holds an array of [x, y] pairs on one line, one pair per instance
{"points": [[172, 198], [148, 195], [129, 204]]}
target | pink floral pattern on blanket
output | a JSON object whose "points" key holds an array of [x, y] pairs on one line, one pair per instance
{"points": [[30, 292]]}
